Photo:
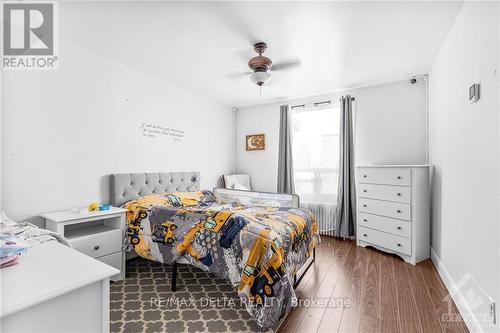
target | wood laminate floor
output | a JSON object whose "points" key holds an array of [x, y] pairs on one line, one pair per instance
{"points": [[385, 294]]}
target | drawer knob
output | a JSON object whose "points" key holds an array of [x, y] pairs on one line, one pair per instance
{"points": [[399, 194], [365, 220], [399, 211], [96, 247], [399, 177], [365, 235], [364, 205], [364, 176], [364, 191], [399, 228], [399, 244]]}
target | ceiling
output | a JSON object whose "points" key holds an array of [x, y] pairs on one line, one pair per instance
{"points": [[203, 46]]}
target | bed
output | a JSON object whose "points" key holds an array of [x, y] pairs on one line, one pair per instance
{"points": [[263, 248]]}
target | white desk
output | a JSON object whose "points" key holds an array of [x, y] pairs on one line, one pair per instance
{"points": [[55, 289]]}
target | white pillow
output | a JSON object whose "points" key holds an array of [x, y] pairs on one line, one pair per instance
{"points": [[238, 186]]}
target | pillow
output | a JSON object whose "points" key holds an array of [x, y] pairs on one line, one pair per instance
{"points": [[238, 186]]}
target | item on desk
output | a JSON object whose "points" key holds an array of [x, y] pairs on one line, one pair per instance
{"points": [[104, 206], [94, 206], [11, 248]]}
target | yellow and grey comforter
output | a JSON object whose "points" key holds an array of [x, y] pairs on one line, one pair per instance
{"points": [[259, 249]]}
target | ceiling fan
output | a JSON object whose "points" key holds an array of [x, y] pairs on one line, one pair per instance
{"points": [[262, 66]]}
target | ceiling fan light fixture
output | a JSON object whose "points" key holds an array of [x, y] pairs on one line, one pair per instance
{"points": [[260, 78]]}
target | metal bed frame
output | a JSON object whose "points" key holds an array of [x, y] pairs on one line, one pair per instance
{"points": [[296, 280]]}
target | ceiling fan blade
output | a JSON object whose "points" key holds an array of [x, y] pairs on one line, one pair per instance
{"points": [[231, 18], [233, 76], [286, 64]]}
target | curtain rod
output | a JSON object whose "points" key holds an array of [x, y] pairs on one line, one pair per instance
{"points": [[315, 104]]}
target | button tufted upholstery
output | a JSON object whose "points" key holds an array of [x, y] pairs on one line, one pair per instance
{"points": [[129, 186]]}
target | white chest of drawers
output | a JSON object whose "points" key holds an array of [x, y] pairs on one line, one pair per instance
{"points": [[393, 209]]}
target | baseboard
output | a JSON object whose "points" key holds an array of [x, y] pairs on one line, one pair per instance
{"points": [[458, 297]]}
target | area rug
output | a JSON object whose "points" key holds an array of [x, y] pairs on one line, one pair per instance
{"points": [[143, 302]]}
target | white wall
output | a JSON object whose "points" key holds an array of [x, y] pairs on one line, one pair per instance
{"points": [[391, 127], [64, 131], [465, 152], [262, 165]]}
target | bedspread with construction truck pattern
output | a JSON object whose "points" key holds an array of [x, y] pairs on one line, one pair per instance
{"points": [[258, 249]]}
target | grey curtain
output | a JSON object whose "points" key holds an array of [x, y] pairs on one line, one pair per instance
{"points": [[285, 162], [345, 217]]}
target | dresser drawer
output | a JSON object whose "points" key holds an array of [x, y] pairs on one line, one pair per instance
{"points": [[385, 192], [385, 208], [388, 241], [387, 176], [99, 244], [386, 224]]}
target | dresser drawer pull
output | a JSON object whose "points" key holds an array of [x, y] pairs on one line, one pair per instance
{"points": [[399, 211], [364, 205], [399, 228], [399, 244], [364, 191], [364, 176], [96, 247], [365, 235], [365, 220], [399, 194], [399, 177]]}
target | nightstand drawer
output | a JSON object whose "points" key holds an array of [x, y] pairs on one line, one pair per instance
{"points": [[385, 208], [385, 240], [385, 192], [386, 224], [100, 243]]}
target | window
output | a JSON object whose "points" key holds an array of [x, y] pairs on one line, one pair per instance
{"points": [[316, 154]]}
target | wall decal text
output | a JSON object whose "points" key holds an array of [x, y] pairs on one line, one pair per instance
{"points": [[153, 131]]}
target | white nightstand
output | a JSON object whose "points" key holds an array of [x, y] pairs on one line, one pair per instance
{"points": [[97, 234]]}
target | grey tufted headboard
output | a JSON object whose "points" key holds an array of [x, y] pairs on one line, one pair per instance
{"points": [[129, 186]]}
